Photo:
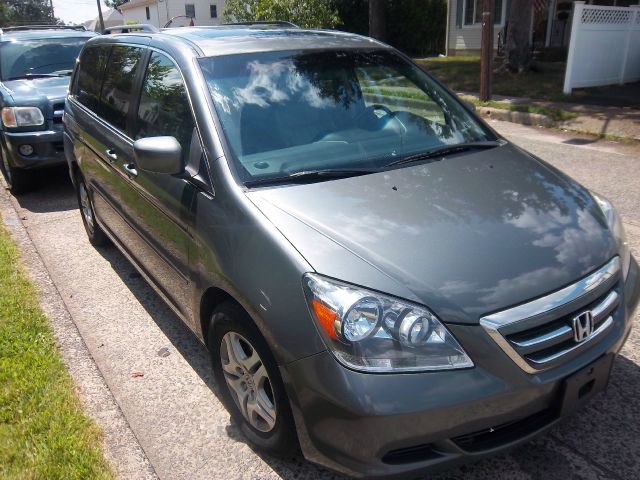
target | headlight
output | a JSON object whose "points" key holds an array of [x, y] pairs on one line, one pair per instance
{"points": [[372, 332], [22, 117], [615, 225]]}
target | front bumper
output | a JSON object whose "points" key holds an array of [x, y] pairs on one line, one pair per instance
{"points": [[377, 425], [47, 145]]}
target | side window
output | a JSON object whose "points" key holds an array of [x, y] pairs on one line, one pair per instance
{"points": [[90, 72], [164, 106], [117, 90]]}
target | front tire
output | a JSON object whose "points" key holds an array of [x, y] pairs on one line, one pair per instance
{"points": [[97, 237], [18, 180], [249, 381]]}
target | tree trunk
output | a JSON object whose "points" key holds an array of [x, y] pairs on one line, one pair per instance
{"points": [[518, 49], [377, 19]]}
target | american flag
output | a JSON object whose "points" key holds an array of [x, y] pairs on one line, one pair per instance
{"points": [[539, 5]]}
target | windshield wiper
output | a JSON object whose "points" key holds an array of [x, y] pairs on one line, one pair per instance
{"points": [[445, 150], [34, 75], [305, 175]]}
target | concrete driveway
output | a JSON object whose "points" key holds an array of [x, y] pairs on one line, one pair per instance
{"points": [[159, 373]]}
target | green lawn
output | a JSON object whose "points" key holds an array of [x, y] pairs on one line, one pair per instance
{"points": [[43, 432], [462, 74]]}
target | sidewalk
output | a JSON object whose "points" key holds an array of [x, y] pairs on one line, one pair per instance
{"points": [[603, 121]]}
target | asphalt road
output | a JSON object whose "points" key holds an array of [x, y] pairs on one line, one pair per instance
{"points": [[174, 410]]}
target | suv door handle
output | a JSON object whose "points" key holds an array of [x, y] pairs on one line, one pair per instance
{"points": [[113, 156], [130, 168]]}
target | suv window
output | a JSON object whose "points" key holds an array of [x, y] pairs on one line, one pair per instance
{"points": [[90, 72], [117, 89], [164, 106]]}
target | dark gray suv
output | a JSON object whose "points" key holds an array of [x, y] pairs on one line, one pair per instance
{"points": [[36, 63], [381, 279]]}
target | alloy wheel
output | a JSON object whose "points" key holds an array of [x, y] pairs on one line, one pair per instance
{"points": [[248, 381]]}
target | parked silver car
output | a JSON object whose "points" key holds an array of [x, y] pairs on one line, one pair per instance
{"points": [[381, 279]]}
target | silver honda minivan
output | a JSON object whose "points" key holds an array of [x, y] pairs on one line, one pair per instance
{"points": [[382, 280]]}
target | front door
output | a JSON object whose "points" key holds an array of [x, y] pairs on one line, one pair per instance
{"points": [[159, 205]]}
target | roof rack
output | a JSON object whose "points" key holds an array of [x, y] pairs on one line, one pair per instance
{"points": [[281, 23], [142, 27], [22, 28]]}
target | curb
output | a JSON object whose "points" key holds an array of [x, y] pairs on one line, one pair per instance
{"points": [[523, 118], [119, 444]]}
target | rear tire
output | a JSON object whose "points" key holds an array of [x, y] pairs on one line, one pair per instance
{"points": [[18, 180], [97, 237], [247, 375]]}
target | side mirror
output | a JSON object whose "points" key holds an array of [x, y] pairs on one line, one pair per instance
{"points": [[158, 155], [469, 105]]}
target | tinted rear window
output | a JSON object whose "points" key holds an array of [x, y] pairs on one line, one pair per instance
{"points": [[119, 79], [90, 72]]}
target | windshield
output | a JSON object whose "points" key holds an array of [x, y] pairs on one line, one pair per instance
{"points": [[300, 111], [49, 56]]}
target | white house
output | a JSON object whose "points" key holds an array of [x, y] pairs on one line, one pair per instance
{"points": [[110, 17], [549, 26], [160, 12]]}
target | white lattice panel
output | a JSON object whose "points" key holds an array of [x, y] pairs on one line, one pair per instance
{"points": [[603, 16], [603, 49]]}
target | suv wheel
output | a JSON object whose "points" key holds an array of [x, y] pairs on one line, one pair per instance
{"points": [[96, 236], [18, 180], [250, 382]]}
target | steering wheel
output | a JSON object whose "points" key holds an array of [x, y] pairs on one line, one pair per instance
{"points": [[370, 111], [358, 118]]}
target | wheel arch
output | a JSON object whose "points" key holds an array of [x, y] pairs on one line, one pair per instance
{"points": [[209, 301]]}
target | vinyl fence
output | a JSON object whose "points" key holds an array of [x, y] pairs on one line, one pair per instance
{"points": [[604, 48]]}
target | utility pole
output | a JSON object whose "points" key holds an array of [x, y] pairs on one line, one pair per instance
{"points": [[100, 16], [486, 52], [51, 10]]}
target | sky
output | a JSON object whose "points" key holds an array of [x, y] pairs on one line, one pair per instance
{"points": [[76, 11]]}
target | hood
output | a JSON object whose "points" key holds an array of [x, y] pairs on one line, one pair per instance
{"points": [[37, 91], [467, 235]]}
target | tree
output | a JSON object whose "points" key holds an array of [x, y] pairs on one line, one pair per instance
{"points": [[25, 12], [114, 3], [518, 49], [305, 13], [377, 19], [417, 27]]}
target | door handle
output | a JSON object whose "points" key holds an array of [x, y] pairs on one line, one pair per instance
{"points": [[112, 155], [130, 168]]}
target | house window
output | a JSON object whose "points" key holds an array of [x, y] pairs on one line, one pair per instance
{"points": [[146, 9], [473, 12], [190, 10], [214, 11]]}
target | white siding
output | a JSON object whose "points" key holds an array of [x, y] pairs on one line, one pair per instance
{"points": [[466, 39], [138, 15], [162, 11]]}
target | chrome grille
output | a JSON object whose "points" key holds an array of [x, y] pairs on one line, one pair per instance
{"points": [[539, 335], [57, 110]]}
